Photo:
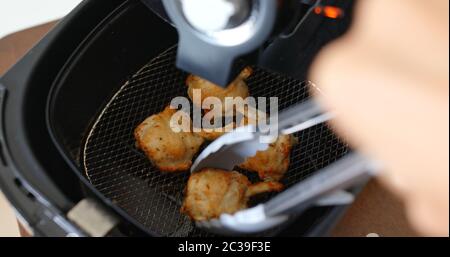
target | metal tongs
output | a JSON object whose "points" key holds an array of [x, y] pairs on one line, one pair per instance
{"points": [[233, 148], [326, 187]]}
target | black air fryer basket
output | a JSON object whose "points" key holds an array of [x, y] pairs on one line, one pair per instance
{"points": [[69, 108]]}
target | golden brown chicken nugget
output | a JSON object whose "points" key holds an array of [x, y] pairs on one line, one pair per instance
{"points": [[211, 192], [168, 150]]}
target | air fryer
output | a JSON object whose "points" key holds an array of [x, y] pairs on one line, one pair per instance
{"points": [[69, 107]]}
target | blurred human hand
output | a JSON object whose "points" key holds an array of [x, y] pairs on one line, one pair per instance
{"points": [[388, 79]]}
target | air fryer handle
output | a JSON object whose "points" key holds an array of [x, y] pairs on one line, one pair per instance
{"points": [[213, 56], [347, 172]]}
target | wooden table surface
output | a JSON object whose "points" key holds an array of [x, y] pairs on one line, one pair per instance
{"points": [[376, 210]]}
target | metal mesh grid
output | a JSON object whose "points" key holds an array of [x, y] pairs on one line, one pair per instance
{"points": [[125, 175]]}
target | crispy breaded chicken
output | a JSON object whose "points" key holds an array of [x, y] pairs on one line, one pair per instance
{"points": [[272, 163], [245, 120], [237, 88], [211, 192], [212, 135], [168, 150]]}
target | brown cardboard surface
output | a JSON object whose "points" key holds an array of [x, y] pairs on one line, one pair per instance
{"points": [[376, 210], [14, 46]]}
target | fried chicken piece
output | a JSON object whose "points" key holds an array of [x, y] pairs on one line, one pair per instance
{"points": [[211, 192], [272, 163], [211, 135], [168, 150], [237, 88]]}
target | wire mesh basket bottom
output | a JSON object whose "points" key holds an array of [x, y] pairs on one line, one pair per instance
{"points": [[125, 175]]}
